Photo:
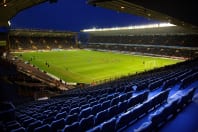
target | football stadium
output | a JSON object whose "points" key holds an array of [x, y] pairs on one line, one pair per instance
{"points": [[136, 78]]}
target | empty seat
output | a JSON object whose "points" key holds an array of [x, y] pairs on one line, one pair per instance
{"points": [[122, 106], [74, 127], [122, 97], [57, 124], [43, 128], [101, 116], [84, 106], [28, 121], [109, 97], [74, 110], [82, 103], [145, 127], [113, 111], [96, 109], [123, 120], [61, 115], [105, 105], [20, 129], [33, 125], [71, 118], [85, 112], [94, 129], [48, 120], [13, 125], [128, 88], [101, 100], [109, 126], [91, 100], [115, 101], [93, 103], [65, 109], [87, 123]]}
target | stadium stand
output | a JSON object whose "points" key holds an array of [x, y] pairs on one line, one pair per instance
{"points": [[112, 106], [41, 40], [145, 101], [167, 40]]}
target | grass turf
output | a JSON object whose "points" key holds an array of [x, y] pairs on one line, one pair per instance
{"points": [[88, 66]]}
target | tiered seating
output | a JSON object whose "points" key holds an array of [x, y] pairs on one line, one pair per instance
{"points": [[109, 107], [188, 80], [155, 50], [161, 116]]}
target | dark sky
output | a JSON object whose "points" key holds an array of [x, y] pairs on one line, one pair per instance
{"points": [[72, 15]]}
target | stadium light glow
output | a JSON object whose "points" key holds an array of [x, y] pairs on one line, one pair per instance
{"points": [[130, 27], [9, 23]]}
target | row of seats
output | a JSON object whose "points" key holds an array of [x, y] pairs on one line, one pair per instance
{"points": [[119, 122], [188, 80], [101, 112], [115, 100], [160, 117]]}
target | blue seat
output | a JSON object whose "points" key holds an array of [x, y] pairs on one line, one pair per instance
{"points": [[110, 97], [71, 118], [101, 117], [122, 106], [116, 94], [113, 111], [74, 127], [84, 106], [13, 125], [65, 109], [82, 103], [61, 115], [87, 123], [43, 128], [127, 88], [191, 94], [101, 100], [105, 105], [74, 105], [109, 126], [96, 109], [94, 129], [74, 110], [131, 102], [85, 112], [91, 100], [52, 114], [147, 106], [138, 111], [145, 127], [93, 103], [48, 120], [58, 124], [28, 121], [115, 101], [123, 120], [20, 129], [120, 89], [33, 125], [156, 119], [122, 97]]}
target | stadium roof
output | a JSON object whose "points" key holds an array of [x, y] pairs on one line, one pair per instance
{"points": [[9, 8], [148, 29], [41, 33], [178, 12]]}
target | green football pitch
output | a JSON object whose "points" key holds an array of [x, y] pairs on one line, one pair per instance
{"points": [[87, 66]]}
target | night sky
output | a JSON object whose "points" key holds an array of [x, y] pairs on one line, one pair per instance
{"points": [[72, 15]]}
